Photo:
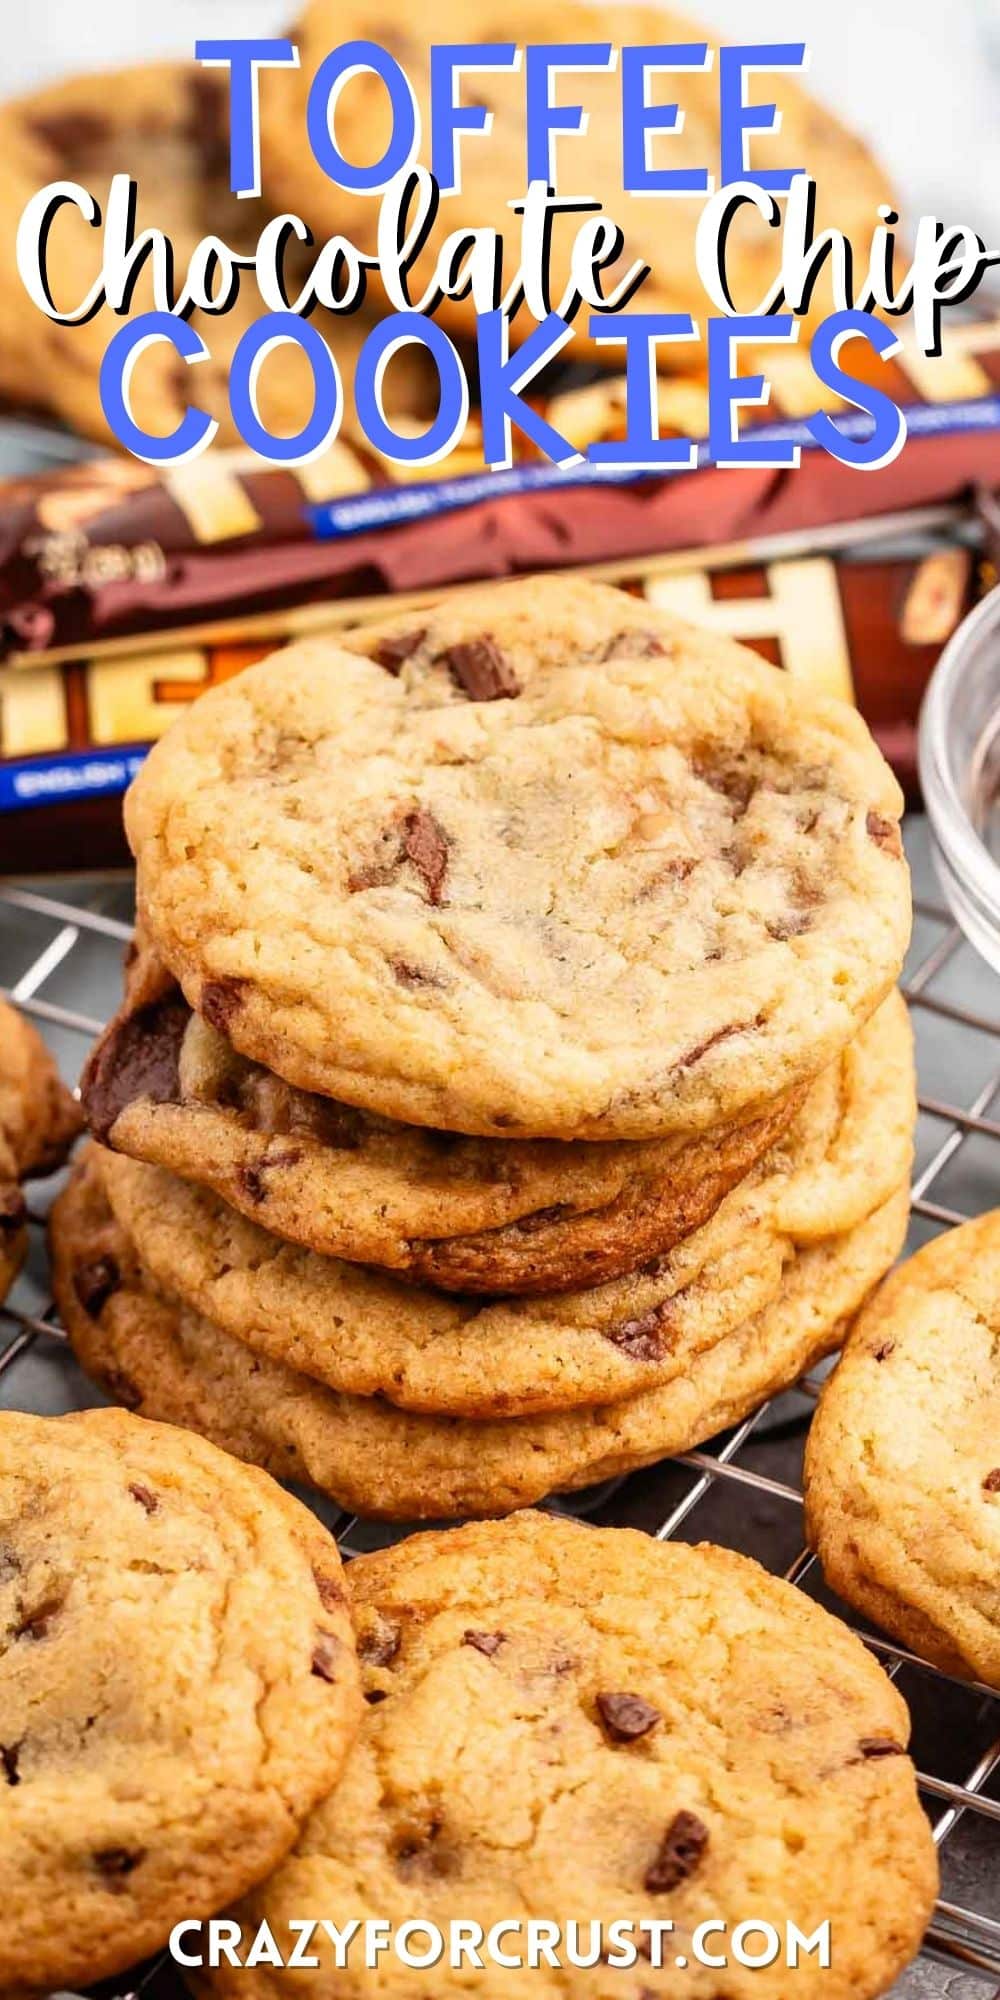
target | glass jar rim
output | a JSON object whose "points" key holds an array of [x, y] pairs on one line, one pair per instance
{"points": [[954, 831]]}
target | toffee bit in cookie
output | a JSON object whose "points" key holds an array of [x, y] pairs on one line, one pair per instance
{"points": [[138, 1058], [219, 1000], [425, 843], [484, 1642], [885, 833], [324, 1659], [880, 1746], [12, 1211], [380, 1644], [679, 1854], [634, 645], [382, 861], [481, 670], [409, 974], [991, 1484], [393, 651], [94, 1284], [328, 1589], [37, 1624], [626, 1717], [642, 1339], [117, 1862], [10, 1754], [144, 1498], [729, 779], [692, 1056], [783, 928], [251, 1182]]}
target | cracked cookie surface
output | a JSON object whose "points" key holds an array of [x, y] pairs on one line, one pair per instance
{"points": [[903, 1457], [545, 862], [38, 1123], [568, 1722], [376, 1460], [178, 1685], [462, 1214], [361, 1331]]}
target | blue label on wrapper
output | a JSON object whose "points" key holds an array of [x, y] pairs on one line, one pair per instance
{"points": [[387, 505], [68, 774]]}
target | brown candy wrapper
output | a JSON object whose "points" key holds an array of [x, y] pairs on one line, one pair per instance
{"points": [[124, 594], [113, 550], [864, 619]]}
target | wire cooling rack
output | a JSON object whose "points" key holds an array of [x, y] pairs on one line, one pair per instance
{"points": [[60, 960]]}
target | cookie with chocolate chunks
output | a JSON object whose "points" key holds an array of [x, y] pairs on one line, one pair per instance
{"points": [[38, 1123], [487, 1785], [903, 1459], [178, 1687], [569, 869], [469, 1215], [378, 1460], [358, 1329]]}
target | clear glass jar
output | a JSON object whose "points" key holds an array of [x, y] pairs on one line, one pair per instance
{"points": [[959, 749]]}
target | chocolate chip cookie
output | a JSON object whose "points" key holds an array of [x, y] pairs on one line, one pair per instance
{"points": [[466, 1215], [903, 1461], [165, 125], [168, 1361], [581, 1723], [360, 1330], [178, 1686], [38, 1122], [548, 863], [658, 233]]}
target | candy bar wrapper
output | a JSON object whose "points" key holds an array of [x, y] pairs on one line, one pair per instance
{"points": [[112, 550], [124, 592], [856, 621]]}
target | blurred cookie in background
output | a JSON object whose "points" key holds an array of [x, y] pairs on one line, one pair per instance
{"points": [[166, 127], [38, 1122], [657, 232]]}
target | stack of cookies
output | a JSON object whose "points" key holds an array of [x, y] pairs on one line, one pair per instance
{"points": [[510, 1086]]}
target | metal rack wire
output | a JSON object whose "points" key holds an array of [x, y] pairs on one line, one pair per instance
{"points": [[738, 1489]]}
